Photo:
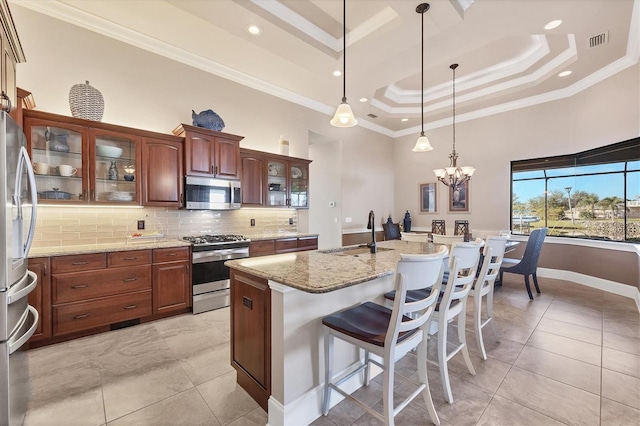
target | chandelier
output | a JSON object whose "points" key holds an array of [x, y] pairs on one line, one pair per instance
{"points": [[454, 175]]}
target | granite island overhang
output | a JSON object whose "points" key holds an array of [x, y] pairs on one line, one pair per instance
{"points": [[277, 306]]}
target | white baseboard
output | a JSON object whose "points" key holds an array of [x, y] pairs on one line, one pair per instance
{"points": [[594, 282], [308, 407]]}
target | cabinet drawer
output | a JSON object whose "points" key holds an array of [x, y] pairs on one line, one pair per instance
{"points": [[286, 245], [129, 258], [171, 254], [77, 263], [87, 285], [308, 243], [262, 248], [78, 316]]}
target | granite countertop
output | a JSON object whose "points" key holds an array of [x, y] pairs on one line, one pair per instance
{"points": [[328, 270], [279, 235], [110, 247]]}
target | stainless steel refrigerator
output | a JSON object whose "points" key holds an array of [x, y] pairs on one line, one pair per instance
{"points": [[18, 320]]}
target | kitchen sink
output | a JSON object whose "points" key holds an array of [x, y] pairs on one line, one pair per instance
{"points": [[353, 251]]}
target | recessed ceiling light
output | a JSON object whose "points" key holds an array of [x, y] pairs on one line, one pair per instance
{"points": [[363, 99], [404, 119], [337, 73], [254, 30], [553, 24], [564, 73]]}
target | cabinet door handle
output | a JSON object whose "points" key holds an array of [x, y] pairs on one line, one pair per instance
{"points": [[44, 269], [213, 169], [76, 287], [128, 280], [79, 263], [130, 258], [216, 170], [131, 306], [181, 198], [171, 254], [3, 95], [80, 316]]}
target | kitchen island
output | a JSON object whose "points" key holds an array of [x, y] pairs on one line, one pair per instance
{"points": [[277, 306]]}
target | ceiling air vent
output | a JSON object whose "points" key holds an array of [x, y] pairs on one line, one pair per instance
{"points": [[599, 39], [372, 115]]}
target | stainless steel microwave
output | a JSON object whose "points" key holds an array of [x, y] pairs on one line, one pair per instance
{"points": [[203, 193]]}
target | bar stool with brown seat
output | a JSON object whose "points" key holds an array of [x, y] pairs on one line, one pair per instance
{"points": [[389, 333], [461, 228], [463, 265], [493, 254], [437, 227]]}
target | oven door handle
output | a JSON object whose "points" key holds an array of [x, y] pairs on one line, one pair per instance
{"points": [[219, 255]]}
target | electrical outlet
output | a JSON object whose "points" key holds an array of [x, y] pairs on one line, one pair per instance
{"points": [[141, 224], [290, 221], [253, 222]]}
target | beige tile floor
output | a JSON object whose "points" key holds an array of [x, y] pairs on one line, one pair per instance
{"points": [[571, 357]]}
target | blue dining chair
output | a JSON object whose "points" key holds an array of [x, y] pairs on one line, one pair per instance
{"points": [[528, 265]]}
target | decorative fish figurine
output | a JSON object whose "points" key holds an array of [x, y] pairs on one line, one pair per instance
{"points": [[207, 119]]}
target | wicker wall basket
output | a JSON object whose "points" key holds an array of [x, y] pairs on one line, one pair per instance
{"points": [[86, 102]]}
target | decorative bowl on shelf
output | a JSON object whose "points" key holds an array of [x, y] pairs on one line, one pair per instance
{"points": [[129, 178], [108, 151]]}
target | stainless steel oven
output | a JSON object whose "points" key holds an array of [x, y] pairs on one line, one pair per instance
{"points": [[210, 278]]}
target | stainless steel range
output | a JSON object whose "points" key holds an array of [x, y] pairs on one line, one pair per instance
{"points": [[210, 278]]}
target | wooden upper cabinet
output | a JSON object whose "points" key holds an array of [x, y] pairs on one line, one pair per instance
{"points": [[252, 178], [209, 153], [273, 180], [162, 169], [12, 54]]}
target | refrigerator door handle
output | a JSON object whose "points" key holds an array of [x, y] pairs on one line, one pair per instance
{"points": [[22, 290], [17, 342], [34, 197]]}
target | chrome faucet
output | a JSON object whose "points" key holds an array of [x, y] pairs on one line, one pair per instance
{"points": [[372, 225]]}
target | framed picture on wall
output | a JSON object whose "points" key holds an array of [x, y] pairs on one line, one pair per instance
{"points": [[459, 198], [428, 198]]}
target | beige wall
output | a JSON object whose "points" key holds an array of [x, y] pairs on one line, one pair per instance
{"points": [[603, 114]]}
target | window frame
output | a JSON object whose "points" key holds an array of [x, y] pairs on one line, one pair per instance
{"points": [[618, 153]]}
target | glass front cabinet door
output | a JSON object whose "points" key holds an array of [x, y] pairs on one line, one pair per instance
{"points": [[58, 152], [277, 195], [115, 168], [299, 185], [76, 164]]}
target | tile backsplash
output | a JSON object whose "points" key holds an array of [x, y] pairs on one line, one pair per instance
{"points": [[63, 226]]}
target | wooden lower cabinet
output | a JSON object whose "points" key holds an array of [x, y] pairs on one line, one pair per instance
{"points": [[282, 245], [83, 294], [251, 334], [171, 280], [40, 298], [78, 316]]}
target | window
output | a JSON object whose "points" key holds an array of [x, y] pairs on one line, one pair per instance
{"points": [[592, 194]]}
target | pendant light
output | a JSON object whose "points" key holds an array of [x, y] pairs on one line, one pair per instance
{"points": [[453, 175], [422, 144], [344, 116]]}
